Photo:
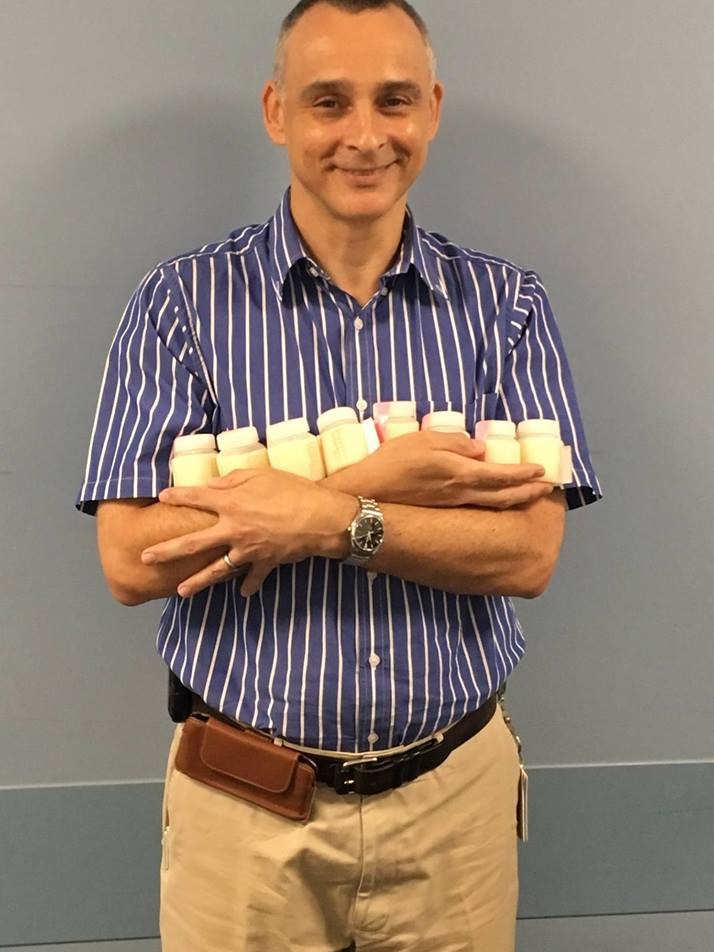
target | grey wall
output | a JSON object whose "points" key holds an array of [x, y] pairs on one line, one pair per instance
{"points": [[577, 139]]}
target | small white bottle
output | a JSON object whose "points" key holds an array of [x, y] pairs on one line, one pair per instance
{"points": [[445, 421], [342, 438], [241, 449], [294, 449], [540, 443], [566, 466], [194, 460], [401, 419], [499, 438], [371, 435]]}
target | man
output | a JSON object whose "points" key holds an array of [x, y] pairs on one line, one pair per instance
{"points": [[396, 655]]}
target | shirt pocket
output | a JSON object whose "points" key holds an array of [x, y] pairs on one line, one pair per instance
{"points": [[485, 407]]}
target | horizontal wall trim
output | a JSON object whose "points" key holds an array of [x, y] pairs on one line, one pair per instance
{"points": [[685, 932], [626, 763], [580, 766], [610, 840]]}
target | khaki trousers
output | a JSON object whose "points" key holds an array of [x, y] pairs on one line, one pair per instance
{"points": [[428, 867]]}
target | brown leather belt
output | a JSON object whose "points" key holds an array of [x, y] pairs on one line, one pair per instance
{"points": [[367, 774]]}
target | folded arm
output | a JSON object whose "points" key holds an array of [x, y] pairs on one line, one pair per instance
{"points": [[266, 518], [454, 523], [475, 551], [125, 527]]}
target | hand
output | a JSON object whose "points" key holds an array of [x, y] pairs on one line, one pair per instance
{"points": [[265, 518], [441, 469]]}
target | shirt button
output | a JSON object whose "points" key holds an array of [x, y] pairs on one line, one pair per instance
{"points": [[373, 738], [361, 405], [313, 272], [374, 660], [384, 292], [359, 324]]}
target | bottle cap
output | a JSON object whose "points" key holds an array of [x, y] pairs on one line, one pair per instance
{"points": [[380, 412], [486, 428], [237, 439], [287, 429], [336, 417], [539, 428], [195, 443], [401, 409], [444, 418]]}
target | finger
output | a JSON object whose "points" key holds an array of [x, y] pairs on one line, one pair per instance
{"points": [[511, 497], [196, 497], [235, 478], [504, 475], [455, 443], [183, 546], [213, 574], [463, 445], [258, 573]]}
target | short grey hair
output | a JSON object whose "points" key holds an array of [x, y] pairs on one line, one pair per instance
{"points": [[351, 6]]}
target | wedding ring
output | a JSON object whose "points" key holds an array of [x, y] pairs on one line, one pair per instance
{"points": [[231, 564]]}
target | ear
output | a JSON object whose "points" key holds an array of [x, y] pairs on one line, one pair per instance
{"points": [[437, 98], [273, 113]]}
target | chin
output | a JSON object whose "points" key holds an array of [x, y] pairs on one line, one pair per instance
{"points": [[365, 206]]}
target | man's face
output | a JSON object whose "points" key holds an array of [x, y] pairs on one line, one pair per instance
{"points": [[357, 109]]}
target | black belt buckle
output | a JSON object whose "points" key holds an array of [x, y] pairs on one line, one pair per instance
{"points": [[347, 773], [374, 774]]}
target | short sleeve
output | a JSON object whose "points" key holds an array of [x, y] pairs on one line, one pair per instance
{"points": [[151, 391], [536, 382]]}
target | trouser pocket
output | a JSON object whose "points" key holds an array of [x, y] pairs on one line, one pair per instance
{"points": [[166, 800], [522, 801]]}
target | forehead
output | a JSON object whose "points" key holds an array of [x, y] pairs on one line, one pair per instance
{"points": [[362, 47]]}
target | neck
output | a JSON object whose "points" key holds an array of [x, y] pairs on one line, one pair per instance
{"points": [[354, 253]]}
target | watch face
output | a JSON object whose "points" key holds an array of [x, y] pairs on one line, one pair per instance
{"points": [[369, 533]]}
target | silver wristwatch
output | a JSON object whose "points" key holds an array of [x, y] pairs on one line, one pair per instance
{"points": [[366, 533]]}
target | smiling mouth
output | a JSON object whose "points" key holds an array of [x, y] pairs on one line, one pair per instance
{"points": [[378, 168], [365, 173]]}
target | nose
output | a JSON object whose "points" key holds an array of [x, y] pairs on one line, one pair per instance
{"points": [[366, 131]]}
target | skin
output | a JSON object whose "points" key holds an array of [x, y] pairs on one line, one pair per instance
{"points": [[497, 528], [356, 111]]}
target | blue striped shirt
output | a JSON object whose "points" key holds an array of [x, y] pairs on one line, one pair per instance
{"points": [[250, 331]]}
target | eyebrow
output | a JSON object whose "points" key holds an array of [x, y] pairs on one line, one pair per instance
{"points": [[323, 87]]}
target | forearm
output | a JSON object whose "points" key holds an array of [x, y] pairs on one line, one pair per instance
{"points": [[132, 582], [267, 518], [467, 550], [464, 551]]}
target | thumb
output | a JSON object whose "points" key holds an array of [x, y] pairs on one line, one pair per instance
{"points": [[235, 478], [456, 443], [477, 448]]}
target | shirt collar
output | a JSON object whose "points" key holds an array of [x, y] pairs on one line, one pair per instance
{"points": [[287, 250]]}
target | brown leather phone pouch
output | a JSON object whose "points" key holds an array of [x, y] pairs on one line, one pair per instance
{"points": [[246, 765]]}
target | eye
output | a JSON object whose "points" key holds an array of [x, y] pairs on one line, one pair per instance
{"points": [[396, 102], [327, 104]]}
